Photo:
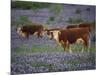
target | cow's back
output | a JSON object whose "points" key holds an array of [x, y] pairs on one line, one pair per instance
{"points": [[32, 28], [86, 25]]}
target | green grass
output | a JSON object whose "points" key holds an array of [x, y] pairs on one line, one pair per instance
{"points": [[37, 49], [23, 50], [22, 20]]}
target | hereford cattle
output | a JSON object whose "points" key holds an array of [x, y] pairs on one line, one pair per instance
{"points": [[70, 36], [27, 30]]}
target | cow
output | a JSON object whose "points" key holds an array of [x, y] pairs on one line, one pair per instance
{"points": [[25, 31], [65, 37]]}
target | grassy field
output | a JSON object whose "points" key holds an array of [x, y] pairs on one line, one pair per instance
{"points": [[49, 49]]}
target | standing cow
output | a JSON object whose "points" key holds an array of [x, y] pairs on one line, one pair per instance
{"points": [[27, 30], [70, 36]]}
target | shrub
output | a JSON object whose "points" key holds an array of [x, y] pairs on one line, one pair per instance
{"points": [[28, 5], [23, 20], [78, 11], [55, 9], [75, 20], [51, 18]]}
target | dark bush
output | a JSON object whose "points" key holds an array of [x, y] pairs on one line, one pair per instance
{"points": [[28, 5]]}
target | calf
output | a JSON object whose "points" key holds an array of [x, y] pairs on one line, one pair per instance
{"points": [[27, 30], [70, 36]]}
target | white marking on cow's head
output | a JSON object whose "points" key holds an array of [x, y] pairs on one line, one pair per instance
{"points": [[55, 34], [20, 33], [18, 30]]}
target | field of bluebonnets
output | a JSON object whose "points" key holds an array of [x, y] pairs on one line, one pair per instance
{"points": [[39, 55]]}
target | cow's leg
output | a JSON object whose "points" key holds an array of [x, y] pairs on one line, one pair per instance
{"points": [[69, 48], [27, 35], [64, 44], [38, 34], [89, 45], [83, 49], [86, 43], [66, 47]]}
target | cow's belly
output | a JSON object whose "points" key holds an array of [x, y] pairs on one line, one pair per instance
{"points": [[77, 41]]}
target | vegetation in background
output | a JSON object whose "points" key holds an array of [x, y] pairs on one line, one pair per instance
{"points": [[28, 5], [78, 11], [75, 20], [23, 20], [51, 18], [55, 11]]}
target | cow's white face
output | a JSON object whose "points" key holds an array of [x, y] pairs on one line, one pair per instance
{"points": [[53, 34], [20, 33], [50, 35], [18, 30]]}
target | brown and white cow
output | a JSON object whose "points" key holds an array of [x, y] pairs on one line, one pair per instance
{"points": [[25, 31], [70, 36]]}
